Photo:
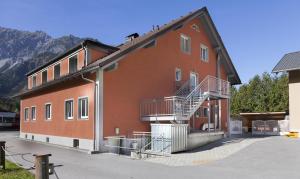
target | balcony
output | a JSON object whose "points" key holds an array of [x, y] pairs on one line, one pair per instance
{"points": [[186, 101]]}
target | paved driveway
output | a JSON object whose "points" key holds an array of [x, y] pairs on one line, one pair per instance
{"points": [[276, 157]]}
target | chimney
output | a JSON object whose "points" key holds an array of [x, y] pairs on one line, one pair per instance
{"points": [[130, 37]]}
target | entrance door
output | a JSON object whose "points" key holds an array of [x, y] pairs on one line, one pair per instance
{"points": [[193, 80]]}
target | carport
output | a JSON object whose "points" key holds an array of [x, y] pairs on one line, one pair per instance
{"points": [[269, 123]]}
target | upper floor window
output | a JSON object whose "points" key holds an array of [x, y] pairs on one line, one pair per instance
{"points": [[33, 113], [204, 53], [44, 77], [73, 64], [185, 43], [26, 114], [177, 74], [83, 106], [48, 111], [56, 71], [69, 109], [33, 81]]}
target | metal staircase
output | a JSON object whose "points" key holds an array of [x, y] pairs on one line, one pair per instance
{"points": [[186, 101]]}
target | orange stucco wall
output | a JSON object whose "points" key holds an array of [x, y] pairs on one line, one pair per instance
{"points": [[58, 125], [146, 73], [95, 54], [150, 73], [50, 73]]}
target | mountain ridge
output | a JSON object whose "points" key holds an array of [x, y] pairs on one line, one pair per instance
{"points": [[22, 51]]}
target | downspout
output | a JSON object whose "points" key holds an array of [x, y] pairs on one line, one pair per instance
{"points": [[95, 87], [94, 122], [85, 53]]}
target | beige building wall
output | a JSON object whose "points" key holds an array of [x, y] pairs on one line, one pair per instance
{"points": [[294, 100]]}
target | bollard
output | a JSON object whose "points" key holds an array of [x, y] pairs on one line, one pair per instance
{"points": [[2, 154], [42, 166]]}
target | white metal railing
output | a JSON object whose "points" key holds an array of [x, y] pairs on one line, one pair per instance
{"points": [[167, 106], [187, 100]]}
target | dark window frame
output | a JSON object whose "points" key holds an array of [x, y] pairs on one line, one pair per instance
{"points": [[44, 77], [56, 71], [73, 64], [33, 81]]}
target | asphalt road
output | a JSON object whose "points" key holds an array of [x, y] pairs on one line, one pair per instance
{"points": [[275, 157]]}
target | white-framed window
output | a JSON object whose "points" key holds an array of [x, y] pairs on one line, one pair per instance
{"points": [[33, 113], [69, 106], [177, 74], [33, 81], [83, 107], [26, 114], [204, 53], [48, 111], [185, 44]]}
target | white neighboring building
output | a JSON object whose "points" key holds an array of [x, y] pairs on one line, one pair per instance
{"points": [[290, 63]]}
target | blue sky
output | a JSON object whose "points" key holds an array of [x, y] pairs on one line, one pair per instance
{"points": [[256, 33]]}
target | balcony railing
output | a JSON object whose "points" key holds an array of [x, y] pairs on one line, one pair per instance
{"points": [[186, 101], [167, 106]]}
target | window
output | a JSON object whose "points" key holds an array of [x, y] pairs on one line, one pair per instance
{"points": [[196, 27], [185, 44], [26, 114], [44, 77], [69, 109], [48, 111], [83, 108], [177, 74], [73, 64], [33, 113], [204, 53], [205, 112], [33, 81], [56, 71]]}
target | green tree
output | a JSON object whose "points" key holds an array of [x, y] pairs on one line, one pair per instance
{"points": [[265, 93]]}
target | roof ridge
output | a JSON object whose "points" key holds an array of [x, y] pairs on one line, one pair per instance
{"points": [[292, 52]]}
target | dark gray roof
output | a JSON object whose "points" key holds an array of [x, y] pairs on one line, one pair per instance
{"points": [[73, 49], [289, 62]]}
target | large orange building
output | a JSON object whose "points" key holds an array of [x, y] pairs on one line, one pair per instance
{"points": [[179, 72]]}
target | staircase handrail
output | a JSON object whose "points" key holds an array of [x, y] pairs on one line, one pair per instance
{"points": [[183, 88]]}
